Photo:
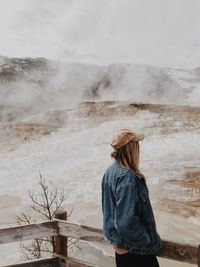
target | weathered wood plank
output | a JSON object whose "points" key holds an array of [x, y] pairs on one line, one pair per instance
{"points": [[61, 242], [70, 262], [29, 231], [171, 250], [48, 262], [179, 252], [80, 231]]}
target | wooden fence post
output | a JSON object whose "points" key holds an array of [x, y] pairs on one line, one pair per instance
{"points": [[61, 241]]}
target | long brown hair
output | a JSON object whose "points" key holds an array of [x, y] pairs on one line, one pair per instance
{"points": [[128, 156]]}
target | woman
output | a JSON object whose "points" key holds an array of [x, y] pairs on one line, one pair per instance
{"points": [[128, 219]]}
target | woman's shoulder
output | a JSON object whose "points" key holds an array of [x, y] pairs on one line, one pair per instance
{"points": [[120, 175], [128, 177]]}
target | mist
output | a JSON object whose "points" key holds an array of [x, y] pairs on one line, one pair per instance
{"points": [[32, 86]]}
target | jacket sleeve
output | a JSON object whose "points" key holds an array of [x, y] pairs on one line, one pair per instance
{"points": [[126, 220]]}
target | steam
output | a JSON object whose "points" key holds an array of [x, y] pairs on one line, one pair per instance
{"points": [[33, 86]]}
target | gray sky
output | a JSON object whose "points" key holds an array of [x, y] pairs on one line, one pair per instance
{"points": [[156, 32]]}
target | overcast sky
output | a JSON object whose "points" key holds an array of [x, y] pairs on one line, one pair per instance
{"points": [[156, 32]]}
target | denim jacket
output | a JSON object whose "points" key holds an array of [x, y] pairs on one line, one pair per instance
{"points": [[128, 220]]}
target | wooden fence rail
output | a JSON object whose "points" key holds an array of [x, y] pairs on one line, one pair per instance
{"points": [[171, 250], [47, 262], [28, 232]]}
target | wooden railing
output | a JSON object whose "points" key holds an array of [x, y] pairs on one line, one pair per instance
{"points": [[62, 229]]}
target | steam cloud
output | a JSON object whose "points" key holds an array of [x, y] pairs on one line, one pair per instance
{"points": [[32, 86]]}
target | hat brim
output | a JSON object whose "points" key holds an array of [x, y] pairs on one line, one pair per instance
{"points": [[139, 137]]}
